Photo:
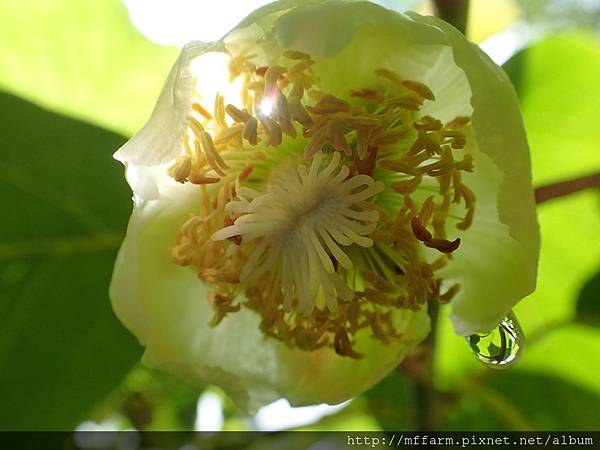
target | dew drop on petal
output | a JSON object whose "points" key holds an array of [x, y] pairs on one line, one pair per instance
{"points": [[500, 347]]}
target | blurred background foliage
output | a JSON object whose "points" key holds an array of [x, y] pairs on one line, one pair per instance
{"points": [[78, 78]]}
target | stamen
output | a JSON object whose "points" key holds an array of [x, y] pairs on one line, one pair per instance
{"points": [[315, 249], [180, 170], [200, 110], [419, 88]]}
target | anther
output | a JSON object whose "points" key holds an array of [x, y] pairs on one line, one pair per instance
{"points": [[443, 245], [236, 114], [407, 101], [200, 110], [407, 186], [458, 122], [447, 296], [251, 131], [419, 88], [245, 173], [329, 105], [419, 230], [180, 170], [295, 54]]}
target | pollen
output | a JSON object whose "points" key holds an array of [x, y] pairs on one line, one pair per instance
{"points": [[324, 214]]}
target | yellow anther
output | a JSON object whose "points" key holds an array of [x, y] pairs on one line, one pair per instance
{"points": [[408, 202], [220, 111], [401, 166], [390, 136], [228, 134], [466, 223], [465, 164], [390, 75], [445, 181], [335, 135], [458, 122], [377, 297], [284, 115], [181, 168], [295, 54], [273, 131], [257, 86], [379, 283], [329, 104], [419, 88], [316, 142], [343, 346], [426, 211], [200, 110], [363, 120], [200, 178], [377, 329], [196, 127], [428, 123], [297, 90], [407, 186], [443, 245], [407, 101], [212, 156], [238, 64], [238, 115], [363, 137], [298, 112], [449, 294], [368, 94], [439, 218], [251, 131], [442, 167], [245, 173], [271, 77]]}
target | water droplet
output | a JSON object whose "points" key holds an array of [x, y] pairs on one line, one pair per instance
{"points": [[500, 347]]}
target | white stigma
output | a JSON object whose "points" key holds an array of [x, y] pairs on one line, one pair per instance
{"points": [[298, 225]]}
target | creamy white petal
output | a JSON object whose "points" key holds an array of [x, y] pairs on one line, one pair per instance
{"points": [[166, 307]]}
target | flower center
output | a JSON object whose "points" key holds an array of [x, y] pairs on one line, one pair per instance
{"points": [[316, 208]]}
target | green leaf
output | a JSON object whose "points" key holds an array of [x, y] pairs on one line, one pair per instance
{"points": [[392, 402], [65, 206], [513, 400], [561, 15], [588, 302], [83, 59]]}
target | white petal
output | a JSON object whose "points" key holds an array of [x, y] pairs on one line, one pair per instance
{"points": [[159, 141], [165, 306], [497, 261]]}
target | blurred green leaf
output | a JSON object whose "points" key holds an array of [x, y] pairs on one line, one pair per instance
{"points": [[561, 14], [513, 400], [515, 68], [392, 402], [559, 99], [588, 303], [167, 402], [83, 59], [65, 207]]}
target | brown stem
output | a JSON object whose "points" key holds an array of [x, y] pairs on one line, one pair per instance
{"points": [[455, 12], [560, 189], [425, 394]]}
